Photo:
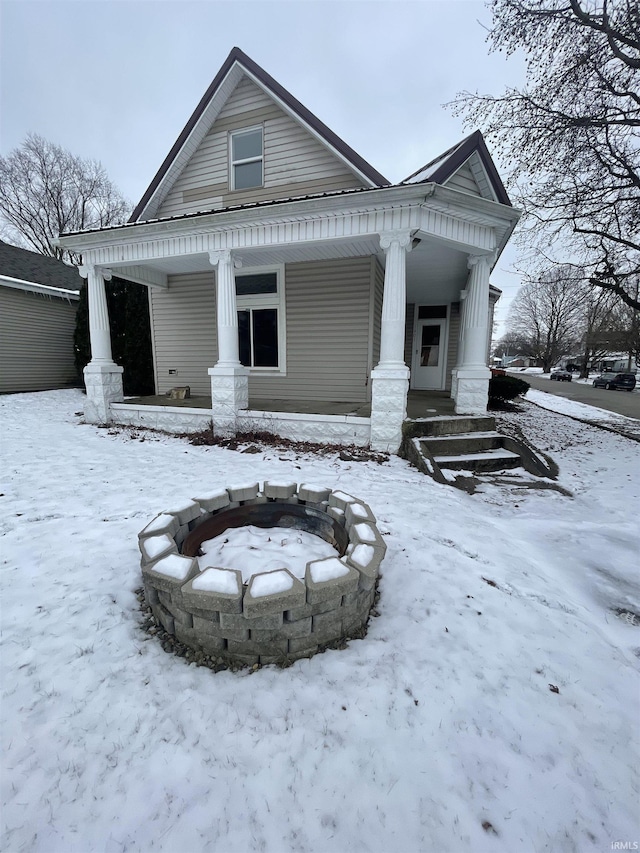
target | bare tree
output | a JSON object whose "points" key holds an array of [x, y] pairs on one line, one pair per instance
{"points": [[599, 323], [545, 315], [571, 136], [45, 191]]}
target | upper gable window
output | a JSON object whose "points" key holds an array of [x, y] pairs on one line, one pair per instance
{"points": [[246, 158]]}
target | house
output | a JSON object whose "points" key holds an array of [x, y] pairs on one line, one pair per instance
{"points": [[285, 272], [38, 302]]}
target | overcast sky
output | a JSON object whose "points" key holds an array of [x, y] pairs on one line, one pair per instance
{"points": [[116, 81]]}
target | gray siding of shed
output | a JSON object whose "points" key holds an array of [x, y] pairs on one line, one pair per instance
{"points": [[327, 332], [36, 341], [295, 162]]}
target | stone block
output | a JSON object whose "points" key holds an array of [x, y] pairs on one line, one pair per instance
{"points": [[153, 548], [185, 634], [164, 618], [269, 622], [170, 573], [355, 623], [162, 524], [181, 616], [210, 645], [261, 499], [366, 558], [341, 500], [164, 598], [302, 647], [306, 610], [243, 493], [249, 660], [326, 624], [289, 592], [276, 647], [313, 494], [151, 594], [215, 589], [288, 630], [364, 533], [213, 501], [233, 621], [206, 626], [277, 490], [336, 513], [185, 512], [357, 512], [204, 516], [240, 635], [181, 535], [328, 579]]}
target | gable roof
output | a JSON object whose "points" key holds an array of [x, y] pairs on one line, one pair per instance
{"points": [[32, 268], [237, 60], [472, 149]]}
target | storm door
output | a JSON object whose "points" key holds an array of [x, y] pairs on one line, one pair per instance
{"points": [[429, 350]]}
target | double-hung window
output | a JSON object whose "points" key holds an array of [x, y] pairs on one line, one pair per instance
{"points": [[246, 158], [261, 321]]}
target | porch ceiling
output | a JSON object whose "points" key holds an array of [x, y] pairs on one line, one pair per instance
{"points": [[435, 271]]}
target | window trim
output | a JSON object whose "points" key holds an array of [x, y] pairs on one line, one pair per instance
{"points": [[267, 300], [233, 163]]}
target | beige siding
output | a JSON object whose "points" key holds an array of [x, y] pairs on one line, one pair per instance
{"points": [[378, 292], [327, 316], [36, 341], [408, 335], [464, 180], [184, 332], [295, 163], [452, 349], [327, 330]]}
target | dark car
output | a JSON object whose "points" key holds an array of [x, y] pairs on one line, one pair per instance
{"points": [[615, 381], [561, 375]]}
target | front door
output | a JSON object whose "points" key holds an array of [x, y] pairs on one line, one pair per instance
{"points": [[429, 355]]}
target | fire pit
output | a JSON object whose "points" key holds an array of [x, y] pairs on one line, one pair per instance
{"points": [[270, 616]]}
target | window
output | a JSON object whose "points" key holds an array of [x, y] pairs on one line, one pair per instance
{"points": [[261, 326], [245, 152]]}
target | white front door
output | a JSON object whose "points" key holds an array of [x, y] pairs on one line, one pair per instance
{"points": [[429, 355]]}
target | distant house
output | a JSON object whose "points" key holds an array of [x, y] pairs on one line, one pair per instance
{"points": [[38, 303], [287, 275]]}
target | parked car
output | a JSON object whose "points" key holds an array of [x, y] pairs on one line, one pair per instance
{"points": [[561, 375], [615, 381]]}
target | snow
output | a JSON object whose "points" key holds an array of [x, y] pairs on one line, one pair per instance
{"points": [[216, 580], [174, 566], [255, 549], [156, 545], [270, 584], [328, 570], [441, 720], [362, 555], [365, 533]]}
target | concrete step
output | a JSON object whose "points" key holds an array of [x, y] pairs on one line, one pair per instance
{"points": [[486, 460], [445, 425], [467, 442]]}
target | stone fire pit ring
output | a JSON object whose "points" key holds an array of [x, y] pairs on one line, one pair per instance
{"points": [[275, 617]]}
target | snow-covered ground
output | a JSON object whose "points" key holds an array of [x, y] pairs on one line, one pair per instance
{"points": [[493, 705]]}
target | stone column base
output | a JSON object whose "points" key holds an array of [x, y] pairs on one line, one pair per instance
{"points": [[472, 390], [454, 383], [229, 394], [389, 387], [104, 386]]}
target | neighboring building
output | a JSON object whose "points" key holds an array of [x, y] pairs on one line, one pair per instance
{"points": [[283, 268], [38, 302]]}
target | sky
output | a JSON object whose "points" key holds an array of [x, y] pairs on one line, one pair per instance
{"points": [[116, 81]]}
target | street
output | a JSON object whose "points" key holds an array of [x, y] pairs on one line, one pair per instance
{"points": [[620, 402]]}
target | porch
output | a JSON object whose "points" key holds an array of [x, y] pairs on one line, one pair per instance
{"points": [[317, 421]]}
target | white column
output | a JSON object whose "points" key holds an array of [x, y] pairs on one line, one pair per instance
{"points": [[99, 332], [390, 379], [102, 377], [472, 373], [229, 379], [227, 311]]}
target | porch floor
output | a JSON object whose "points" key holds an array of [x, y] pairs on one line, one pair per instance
{"points": [[420, 404]]}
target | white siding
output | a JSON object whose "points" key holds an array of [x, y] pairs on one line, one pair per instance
{"points": [[295, 163], [36, 341]]}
